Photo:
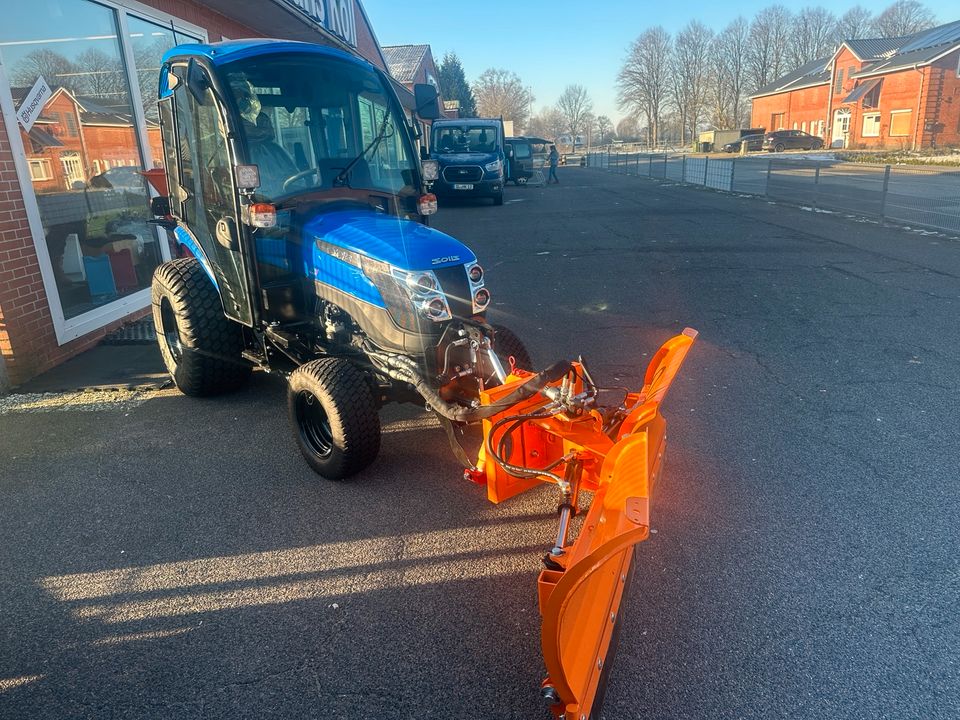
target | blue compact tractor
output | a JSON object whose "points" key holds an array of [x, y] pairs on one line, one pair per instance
{"points": [[300, 209]]}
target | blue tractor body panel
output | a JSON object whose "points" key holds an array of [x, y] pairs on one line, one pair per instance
{"points": [[401, 243]]}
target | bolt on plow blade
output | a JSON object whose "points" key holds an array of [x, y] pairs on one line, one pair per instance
{"points": [[564, 436]]}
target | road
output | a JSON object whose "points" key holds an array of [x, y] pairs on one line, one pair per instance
{"points": [[167, 557]]}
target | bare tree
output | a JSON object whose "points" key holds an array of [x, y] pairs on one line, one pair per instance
{"points": [[627, 129], [500, 93], [729, 83], [102, 76], [574, 105], [690, 83], [604, 128], [56, 69], [643, 83], [855, 23], [548, 124], [769, 45], [814, 35], [904, 17]]}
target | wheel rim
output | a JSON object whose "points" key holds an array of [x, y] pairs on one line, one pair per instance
{"points": [[170, 331], [314, 424]]}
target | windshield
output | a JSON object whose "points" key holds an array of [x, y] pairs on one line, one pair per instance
{"points": [[314, 123], [465, 138]]}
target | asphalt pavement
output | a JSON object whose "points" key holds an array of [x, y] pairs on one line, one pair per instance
{"points": [[164, 557]]}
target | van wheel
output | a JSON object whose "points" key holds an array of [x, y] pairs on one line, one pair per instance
{"points": [[334, 417], [200, 346], [498, 198]]}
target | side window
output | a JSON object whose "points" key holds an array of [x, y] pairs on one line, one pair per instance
{"points": [[205, 161]]}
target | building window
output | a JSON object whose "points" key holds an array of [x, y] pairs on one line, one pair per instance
{"points": [[872, 99], [71, 124], [871, 125], [40, 170], [838, 85], [900, 123], [803, 126], [795, 126], [776, 121]]}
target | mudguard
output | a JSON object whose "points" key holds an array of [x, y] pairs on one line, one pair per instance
{"points": [[581, 592]]}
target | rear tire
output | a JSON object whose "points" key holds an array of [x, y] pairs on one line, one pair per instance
{"points": [[200, 346], [334, 417]]}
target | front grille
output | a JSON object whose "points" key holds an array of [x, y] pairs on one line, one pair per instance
{"points": [[463, 173], [456, 286]]}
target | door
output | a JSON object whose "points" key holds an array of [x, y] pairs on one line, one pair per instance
{"points": [[207, 197], [841, 128]]}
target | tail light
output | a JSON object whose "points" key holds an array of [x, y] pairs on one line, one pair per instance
{"points": [[427, 204], [261, 215]]}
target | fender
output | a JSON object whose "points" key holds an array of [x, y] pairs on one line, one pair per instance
{"points": [[185, 238]]}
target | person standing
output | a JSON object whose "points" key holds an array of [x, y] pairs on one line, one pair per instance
{"points": [[554, 160]]}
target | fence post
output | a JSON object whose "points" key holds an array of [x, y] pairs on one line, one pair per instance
{"points": [[883, 198], [766, 187], [664, 166], [816, 188], [733, 172], [638, 163], [650, 167], [683, 168], [706, 160]]}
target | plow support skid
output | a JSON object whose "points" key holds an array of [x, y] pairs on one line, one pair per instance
{"points": [[581, 592]]}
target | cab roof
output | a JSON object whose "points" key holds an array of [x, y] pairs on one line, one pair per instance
{"points": [[230, 50]]}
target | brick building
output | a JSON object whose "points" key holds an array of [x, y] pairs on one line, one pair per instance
{"points": [[76, 252], [897, 93]]}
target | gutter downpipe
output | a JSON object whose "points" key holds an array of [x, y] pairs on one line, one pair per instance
{"points": [[833, 82], [916, 126]]}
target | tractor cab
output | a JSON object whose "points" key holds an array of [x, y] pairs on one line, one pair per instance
{"points": [[263, 137]]}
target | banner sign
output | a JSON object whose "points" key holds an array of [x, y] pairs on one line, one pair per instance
{"points": [[337, 16], [33, 103]]}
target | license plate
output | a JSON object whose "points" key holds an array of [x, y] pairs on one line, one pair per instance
{"points": [[463, 186]]}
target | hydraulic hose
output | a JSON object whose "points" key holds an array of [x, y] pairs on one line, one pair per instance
{"points": [[403, 369]]}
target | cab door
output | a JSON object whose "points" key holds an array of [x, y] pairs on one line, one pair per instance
{"points": [[205, 199]]}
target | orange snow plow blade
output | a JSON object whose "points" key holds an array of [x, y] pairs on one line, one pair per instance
{"points": [[618, 456]]}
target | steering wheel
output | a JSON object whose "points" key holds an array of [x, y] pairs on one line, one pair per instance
{"points": [[299, 176]]}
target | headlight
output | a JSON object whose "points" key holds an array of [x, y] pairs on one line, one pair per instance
{"points": [[431, 170], [479, 295], [408, 295], [495, 166]]}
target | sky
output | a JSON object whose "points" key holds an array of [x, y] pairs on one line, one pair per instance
{"points": [[554, 44]]}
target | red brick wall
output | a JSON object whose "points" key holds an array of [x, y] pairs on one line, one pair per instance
{"points": [[945, 110], [803, 107]]}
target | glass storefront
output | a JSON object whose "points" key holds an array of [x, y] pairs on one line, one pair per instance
{"points": [[91, 143]]}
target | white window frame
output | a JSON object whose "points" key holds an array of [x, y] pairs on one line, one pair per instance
{"points": [[43, 165], [906, 111], [70, 329], [877, 116]]}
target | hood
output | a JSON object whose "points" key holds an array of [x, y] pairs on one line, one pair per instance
{"points": [[473, 158], [402, 243]]}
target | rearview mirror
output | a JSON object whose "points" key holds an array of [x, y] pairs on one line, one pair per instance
{"points": [[427, 101]]}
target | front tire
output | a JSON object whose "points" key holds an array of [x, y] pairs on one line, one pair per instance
{"points": [[778, 148], [506, 344], [498, 198], [200, 346], [334, 417]]}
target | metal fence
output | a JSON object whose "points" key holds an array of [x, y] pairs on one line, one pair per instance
{"points": [[924, 196]]}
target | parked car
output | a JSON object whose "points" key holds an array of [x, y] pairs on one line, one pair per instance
{"points": [[791, 140], [754, 142], [122, 177]]}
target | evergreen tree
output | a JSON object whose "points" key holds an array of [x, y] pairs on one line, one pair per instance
{"points": [[454, 85]]}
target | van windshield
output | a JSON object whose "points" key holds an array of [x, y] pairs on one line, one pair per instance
{"points": [[465, 138], [315, 123]]}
